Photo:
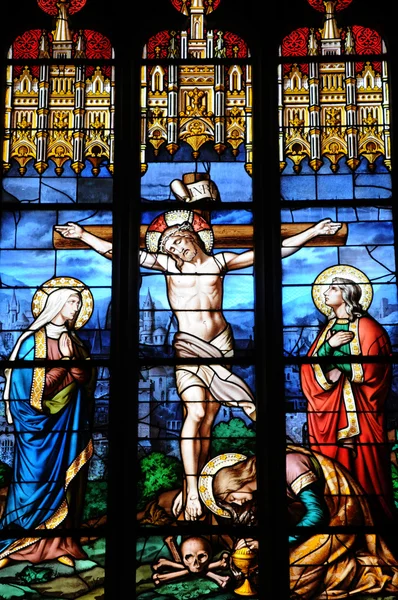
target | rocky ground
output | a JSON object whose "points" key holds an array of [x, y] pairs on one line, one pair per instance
{"points": [[53, 581], [199, 589]]}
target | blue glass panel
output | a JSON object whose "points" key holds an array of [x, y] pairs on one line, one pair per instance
{"points": [[26, 189], [34, 231], [7, 231], [342, 185], [307, 263], [94, 190], [371, 233], [372, 186], [26, 268], [334, 187], [310, 215], [238, 217], [377, 262], [87, 265], [232, 180], [59, 189], [298, 187], [85, 217], [238, 292]]}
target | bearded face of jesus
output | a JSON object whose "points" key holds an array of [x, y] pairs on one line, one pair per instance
{"points": [[183, 246]]}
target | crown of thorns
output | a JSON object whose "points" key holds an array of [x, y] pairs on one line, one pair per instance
{"points": [[172, 231], [173, 222]]}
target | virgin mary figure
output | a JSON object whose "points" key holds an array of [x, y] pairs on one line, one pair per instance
{"points": [[50, 408]]}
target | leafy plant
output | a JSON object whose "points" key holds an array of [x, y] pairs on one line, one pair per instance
{"points": [[95, 502], [35, 574], [158, 473], [234, 436]]}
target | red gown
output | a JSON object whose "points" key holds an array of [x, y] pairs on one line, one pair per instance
{"points": [[352, 411]]}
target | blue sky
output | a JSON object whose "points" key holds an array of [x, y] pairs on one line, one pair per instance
{"points": [[298, 304], [33, 267], [234, 184], [34, 230]]}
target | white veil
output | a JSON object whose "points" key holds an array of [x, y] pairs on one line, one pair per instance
{"points": [[55, 302]]}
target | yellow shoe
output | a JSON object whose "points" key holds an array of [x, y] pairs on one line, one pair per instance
{"points": [[4, 562], [66, 560]]}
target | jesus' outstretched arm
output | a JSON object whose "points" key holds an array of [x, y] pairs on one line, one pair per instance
{"points": [[75, 231], [325, 227]]}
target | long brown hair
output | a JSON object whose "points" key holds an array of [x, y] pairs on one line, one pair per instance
{"points": [[231, 479], [351, 293]]}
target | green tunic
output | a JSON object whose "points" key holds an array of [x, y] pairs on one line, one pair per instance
{"points": [[344, 350]]}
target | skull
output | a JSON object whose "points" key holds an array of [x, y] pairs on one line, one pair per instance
{"points": [[196, 554]]}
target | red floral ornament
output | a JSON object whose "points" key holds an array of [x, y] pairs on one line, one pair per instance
{"points": [[235, 46], [27, 44], [158, 44], [296, 44], [97, 45], [367, 41], [50, 6], [319, 5]]}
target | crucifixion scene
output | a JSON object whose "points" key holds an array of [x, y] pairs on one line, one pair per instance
{"points": [[197, 420], [202, 359], [197, 261]]}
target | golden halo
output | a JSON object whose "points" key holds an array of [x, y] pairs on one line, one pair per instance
{"points": [[324, 279], [205, 483], [40, 297]]}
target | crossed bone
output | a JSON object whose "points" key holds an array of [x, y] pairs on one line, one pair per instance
{"points": [[180, 570]]}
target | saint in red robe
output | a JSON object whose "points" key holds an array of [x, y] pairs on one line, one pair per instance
{"points": [[346, 418]]}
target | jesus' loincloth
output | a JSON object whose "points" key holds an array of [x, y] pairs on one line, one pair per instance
{"points": [[225, 387]]}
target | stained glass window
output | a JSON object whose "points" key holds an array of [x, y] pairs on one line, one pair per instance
{"points": [[211, 446], [339, 307], [55, 297], [197, 408]]}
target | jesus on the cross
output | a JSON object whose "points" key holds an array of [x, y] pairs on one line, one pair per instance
{"points": [[194, 274]]}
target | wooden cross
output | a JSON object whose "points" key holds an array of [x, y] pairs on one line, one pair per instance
{"points": [[225, 236]]}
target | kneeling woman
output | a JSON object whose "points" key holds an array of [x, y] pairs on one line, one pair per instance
{"points": [[321, 494], [51, 410]]}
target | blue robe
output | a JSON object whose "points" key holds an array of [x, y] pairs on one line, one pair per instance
{"points": [[50, 449]]}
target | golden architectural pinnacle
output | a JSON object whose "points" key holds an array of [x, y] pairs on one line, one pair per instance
{"points": [[62, 32], [330, 30]]}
